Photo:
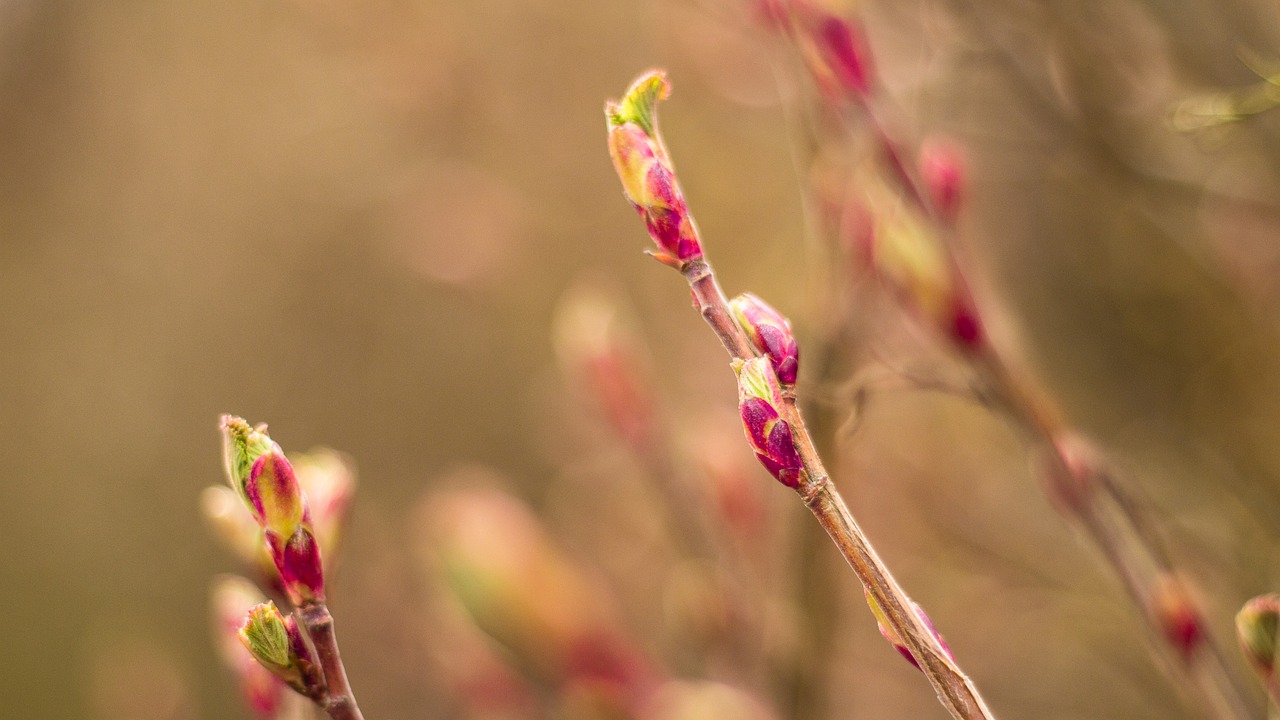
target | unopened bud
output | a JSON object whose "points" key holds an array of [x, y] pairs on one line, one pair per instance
{"points": [[645, 171], [274, 496], [1257, 625], [275, 641], [770, 333], [242, 445], [300, 566], [266, 638], [887, 631], [759, 397]]}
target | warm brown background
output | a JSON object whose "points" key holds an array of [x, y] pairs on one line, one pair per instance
{"points": [[354, 220]]}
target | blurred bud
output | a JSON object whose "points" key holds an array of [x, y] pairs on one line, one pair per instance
{"points": [[234, 526], [275, 641], [770, 333], [912, 261], [1257, 625], [242, 445], [264, 693], [703, 700], [887, 631], [645, 171], [328, 480], [597, 351], [502, 568], [759, 397], [1179, 620], [1069, 469], [942, 170], [834, 49]]}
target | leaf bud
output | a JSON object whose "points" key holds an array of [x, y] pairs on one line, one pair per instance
{"points": [[759, 397], [276, 642], [648, 179], [770, 333]]}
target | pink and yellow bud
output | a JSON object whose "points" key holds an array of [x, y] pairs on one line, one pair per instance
{"points": [[915, 264], [1258, 629], [759, 398], [1180, 622], [274, 495], [887, 631], [770, 334], [648, 179]]}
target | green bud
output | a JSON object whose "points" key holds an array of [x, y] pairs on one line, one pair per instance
{"points": [[242, 445], [266, 637], [1256, 627]]}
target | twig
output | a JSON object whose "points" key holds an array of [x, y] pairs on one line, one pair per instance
{"points": [[339, 703], [955, 691]]}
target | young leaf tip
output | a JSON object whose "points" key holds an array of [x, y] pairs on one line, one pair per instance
{"points": [[639, 104]]}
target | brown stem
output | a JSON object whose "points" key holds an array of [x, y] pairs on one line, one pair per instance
{"points": [[1119, 528], [1122, 533], [955, 691], [340, 704]]}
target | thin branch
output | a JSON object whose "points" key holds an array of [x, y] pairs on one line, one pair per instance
{"points": [[340, 704], [954, 689]]}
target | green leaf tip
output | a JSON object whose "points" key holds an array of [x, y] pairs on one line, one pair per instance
{"points": [[639, 104]]}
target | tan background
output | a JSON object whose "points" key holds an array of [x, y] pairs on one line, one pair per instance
{"points": [[353, 220]]}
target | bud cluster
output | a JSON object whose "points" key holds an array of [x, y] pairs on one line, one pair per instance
{"points": [[648, 179], [265, 481]]}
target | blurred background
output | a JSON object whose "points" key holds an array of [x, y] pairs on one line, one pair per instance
{"points": [[359, 223]]}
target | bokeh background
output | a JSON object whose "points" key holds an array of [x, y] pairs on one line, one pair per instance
{"points": [[355, 221]]}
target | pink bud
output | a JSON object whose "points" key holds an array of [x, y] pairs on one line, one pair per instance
{"points": [[844, 49], [298, 561], [759, 397], [770, 333], [645, 171]]}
